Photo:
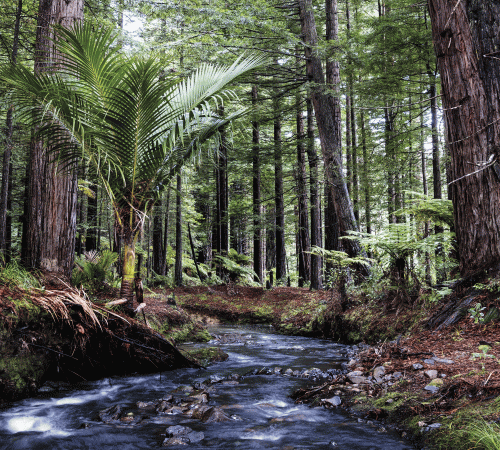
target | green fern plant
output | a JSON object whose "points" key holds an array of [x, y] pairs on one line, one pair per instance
{"points": [[235, 270], [94, 269]]}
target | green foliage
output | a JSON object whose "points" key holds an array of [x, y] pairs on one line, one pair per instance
{"points": [[13, 275], [235, 270], [484, 435], [424, 208], [476, 313], [94, 269], [341, 259], [133, 127], [436, 295]]}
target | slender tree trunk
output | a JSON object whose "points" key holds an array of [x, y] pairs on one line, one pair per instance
{"points": [[278, 198], [92, 213], [303, 255], [366, 183], [178, 234], [6, 167], [327, 112], [221, 217], [163, 262], [428, 276], [355, 176], [316, 280], [158, 253], [348, 153], [466, 40], [258, 264]]}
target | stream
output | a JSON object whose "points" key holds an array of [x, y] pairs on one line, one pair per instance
{"points": [[262, 414]]}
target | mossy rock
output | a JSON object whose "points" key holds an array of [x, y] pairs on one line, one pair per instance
{"points": [[205, 356]]}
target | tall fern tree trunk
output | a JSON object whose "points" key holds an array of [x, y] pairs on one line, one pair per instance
{"points": [[466, 40]]}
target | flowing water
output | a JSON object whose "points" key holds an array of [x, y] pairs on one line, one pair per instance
{"points": [[264, 417]]}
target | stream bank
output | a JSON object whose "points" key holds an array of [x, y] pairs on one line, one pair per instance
{"points": [[441, 381]]}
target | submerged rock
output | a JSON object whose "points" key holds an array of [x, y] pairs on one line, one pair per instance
{"points": [[334, 401], [213, 415], [179, 435], [110, 414]]}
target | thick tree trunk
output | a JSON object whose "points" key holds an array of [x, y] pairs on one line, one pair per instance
{"points": [[466, 39], [6, 167], [332, 80], [258, 263], [327, 112], [52, 197]]}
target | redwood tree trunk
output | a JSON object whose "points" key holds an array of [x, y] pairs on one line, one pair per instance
{"points": [[327, 112], [312, 156], [466, 40], [52, 197], [6, 168]]}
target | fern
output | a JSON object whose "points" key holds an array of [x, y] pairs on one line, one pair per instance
{"points": [[236, 271], [340, 259], [93, 269], [424, 208]]}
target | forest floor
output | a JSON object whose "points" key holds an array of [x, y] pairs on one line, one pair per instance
{"points": [[438, 383], [461, 362]]}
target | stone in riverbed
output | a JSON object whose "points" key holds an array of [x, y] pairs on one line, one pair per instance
{"points": [[214, 414], [356, 377], [179, 435], [378, 373], [431, 373], [110, 414], [335, 401], [417, 366], [429, 361], [434, 385], [444, 361]]}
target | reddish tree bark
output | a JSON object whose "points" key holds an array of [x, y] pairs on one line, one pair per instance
{"points": [[466, 41], [327, 112], [52, 192]]}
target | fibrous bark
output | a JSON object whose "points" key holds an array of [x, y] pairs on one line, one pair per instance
{"points": [[466, 41], [327, 112]]}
